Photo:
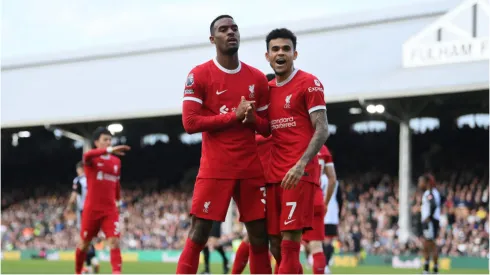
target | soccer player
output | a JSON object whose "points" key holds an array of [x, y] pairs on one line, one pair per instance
{"points": [[263, 147], [299, 127], [102, 170], [430, 214], [331, 189], [78, 196], [214, 244], [314, 238], [216, 97]]}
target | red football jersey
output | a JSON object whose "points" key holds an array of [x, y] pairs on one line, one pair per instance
{"points": [[324, 158], [291, 103], [103, 172], [264, 149], [211, 95]]}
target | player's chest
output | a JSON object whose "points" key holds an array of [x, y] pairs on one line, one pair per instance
{"points": [[225, 95], [107, 166], [286, 101]]}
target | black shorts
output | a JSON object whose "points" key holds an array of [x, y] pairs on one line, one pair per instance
{"points": [[430, 230], [215, 230], [331, 230]]}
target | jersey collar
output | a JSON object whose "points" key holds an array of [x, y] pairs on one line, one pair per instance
{"points": [[225, 70], [280, 84]]}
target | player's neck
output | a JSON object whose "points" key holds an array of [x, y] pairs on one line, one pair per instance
{"points": [[282, 78], [229, 62]]}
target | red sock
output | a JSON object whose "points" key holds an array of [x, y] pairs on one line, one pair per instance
{"points": [[189, 259], [259, 260], [116, 260], [319, 263], [276, 268], [79, 259], [241, 258], [290, 257]]}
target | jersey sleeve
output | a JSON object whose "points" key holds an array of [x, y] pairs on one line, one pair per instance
{"points": [[194, 89], [263, 95], [118, 183], [314, 96], [327, 157], [93, 153], [194, 98], [261, 121]]}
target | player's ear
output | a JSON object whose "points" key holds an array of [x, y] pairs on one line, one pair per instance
{"points": [[211, 39], [295, 55], [267, 57]]}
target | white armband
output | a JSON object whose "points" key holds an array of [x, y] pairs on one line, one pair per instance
{"points": [[109, 149]]}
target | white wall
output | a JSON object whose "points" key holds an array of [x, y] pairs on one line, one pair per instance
{"points": [[353, 61]]}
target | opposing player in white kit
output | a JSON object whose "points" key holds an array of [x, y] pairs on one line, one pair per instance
{"points": [[78, 194], [329, 184], [430, 215]]}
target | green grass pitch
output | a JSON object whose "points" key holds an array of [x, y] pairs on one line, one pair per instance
{"points": [[67, 267]]}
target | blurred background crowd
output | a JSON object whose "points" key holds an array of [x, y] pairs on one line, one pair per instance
{"points": [[158, 219]]}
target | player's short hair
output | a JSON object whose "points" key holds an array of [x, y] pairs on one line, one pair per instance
{"points": [[429, 178], [80, 164], [281, 33], [211, 27], [99, 132], [270, 77]]}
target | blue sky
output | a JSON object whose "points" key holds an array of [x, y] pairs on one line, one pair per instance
{"points": [[36, 27]]}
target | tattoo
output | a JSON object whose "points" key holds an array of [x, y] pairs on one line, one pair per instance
{"points": [[320, 123]]}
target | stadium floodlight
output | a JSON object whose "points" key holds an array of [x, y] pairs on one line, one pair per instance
{"points": [[115, 128], [355, 111], [380, 108], [371, 109], [24, 134]]}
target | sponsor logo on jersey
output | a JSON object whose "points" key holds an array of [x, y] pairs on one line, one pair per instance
{"points": [[285, 122]]}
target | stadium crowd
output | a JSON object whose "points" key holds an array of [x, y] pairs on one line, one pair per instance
{"points": [[159, 219]]}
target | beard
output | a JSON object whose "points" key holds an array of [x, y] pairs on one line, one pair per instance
{"points": [[231, 51]]}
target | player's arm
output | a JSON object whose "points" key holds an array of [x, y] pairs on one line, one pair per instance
{"points": [[192, 105], [332, 180], [317, 110], [340, 199], [93, 153], [76, 189]]}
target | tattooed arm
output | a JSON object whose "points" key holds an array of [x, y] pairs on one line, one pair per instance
{"points": [[319, 121]]}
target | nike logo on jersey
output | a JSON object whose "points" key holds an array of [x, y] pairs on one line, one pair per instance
{"points": [[218, 92], [288, 222]]}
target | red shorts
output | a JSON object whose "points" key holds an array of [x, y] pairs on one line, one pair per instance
{"points": [[93, 221], [212, 197], [318, 232], [291, 209]]}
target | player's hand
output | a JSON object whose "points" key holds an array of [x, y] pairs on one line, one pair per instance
{"points": [[120, 150], [249, 115], [293, 176], [242, 108]]}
